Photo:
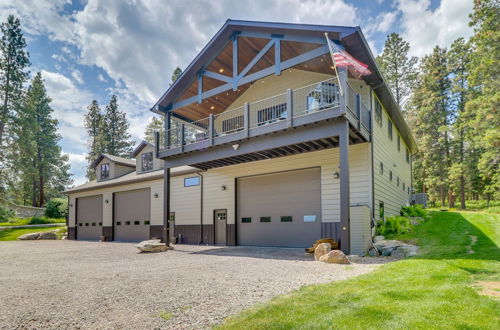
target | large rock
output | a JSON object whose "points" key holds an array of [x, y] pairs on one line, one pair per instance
{"points": [[335, 257], [321, 250], [48, 235], [152, 246], [30, 236], [405, 251], [395, 248]]}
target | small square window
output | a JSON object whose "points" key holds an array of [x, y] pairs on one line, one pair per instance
{"points": [[381, 168], [93, 224], [192, 181], [86, 224], [265, 219], [127, 223], [407, 155], [137, 223], [118, 223], [389, 128], [286, 218], [100, 224], [399, 143], [147, 222], [378, 112], [80, 224], [246, 220]]}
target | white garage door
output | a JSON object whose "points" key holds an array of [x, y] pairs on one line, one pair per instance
{"points": [[132, 215], [89, 218], [281, 209]]}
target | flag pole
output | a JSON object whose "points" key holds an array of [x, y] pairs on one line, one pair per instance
{"points": [[334, 63]]}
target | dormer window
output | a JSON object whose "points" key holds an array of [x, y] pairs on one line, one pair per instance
{"points": [[147, 161], [104, 171]]}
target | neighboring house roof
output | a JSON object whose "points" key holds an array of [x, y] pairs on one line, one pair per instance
{"points": [[130, 178], [140, 147], [351, 37], [114, 159]]}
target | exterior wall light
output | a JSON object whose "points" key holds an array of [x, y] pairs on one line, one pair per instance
{"points": [[223, 188], [71, 205], [336, 175], [107, 201], [155, 195]]}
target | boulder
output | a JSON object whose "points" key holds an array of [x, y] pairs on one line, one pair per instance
{"points": [[48, 235], [321, 249], [405, 251], [152, 246], [372, 253], [335, 257], [30, 236], [378, 238]]}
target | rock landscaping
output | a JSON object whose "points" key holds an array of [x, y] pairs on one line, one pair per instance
{"points": [[324, 253], [393, 248], [153, 246], [43, 235]]}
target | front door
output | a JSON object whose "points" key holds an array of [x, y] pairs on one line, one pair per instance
{"points": [[220, 220]]}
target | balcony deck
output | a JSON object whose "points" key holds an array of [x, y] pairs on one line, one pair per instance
{"points": [[305, 106]]}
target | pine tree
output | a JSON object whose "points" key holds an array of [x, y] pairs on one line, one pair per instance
{"points": [[94, 125], [155, 125], [14, 60], [399, 68], [116, 139], [484, 104], [43, 170], [176, 74]]}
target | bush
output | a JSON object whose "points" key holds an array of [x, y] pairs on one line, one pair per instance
{"points": [[394, 225], [57, 208], [6, 214], [38, 221], [416, 210]]}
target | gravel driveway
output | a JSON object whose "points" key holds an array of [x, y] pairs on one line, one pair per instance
{"points": [[70, 284]]}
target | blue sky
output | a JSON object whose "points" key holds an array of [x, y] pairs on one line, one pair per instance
{"points": [[91, 49]]}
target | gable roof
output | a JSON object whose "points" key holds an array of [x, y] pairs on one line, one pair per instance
{"points": [[114, 159], [141, 146], [351, 37]]}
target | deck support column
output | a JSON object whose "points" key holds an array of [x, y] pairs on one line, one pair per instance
{"points": [[344, 189], [166, 206]]}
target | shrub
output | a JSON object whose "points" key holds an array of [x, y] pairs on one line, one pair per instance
{"points": [[394, 225], [38, 221], [57, 208], [416, 210], [6, 214]]}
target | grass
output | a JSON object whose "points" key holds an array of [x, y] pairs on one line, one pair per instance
{"points": [[480, 205], [11, 234], [165, 315], [23, 222], [434, 290]]}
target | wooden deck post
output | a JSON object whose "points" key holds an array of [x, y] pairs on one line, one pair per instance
{"points": [[342, 72], [344, 189], [166, 206], [246, 118], [211, 129], [289, 107]]}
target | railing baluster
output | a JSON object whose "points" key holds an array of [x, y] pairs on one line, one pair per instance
{"points": [[289, 107], [246, 118]]}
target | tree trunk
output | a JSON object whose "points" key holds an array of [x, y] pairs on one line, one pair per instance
{"points": [[33, 194], [41, 192], [462, 192], [443, 197]]}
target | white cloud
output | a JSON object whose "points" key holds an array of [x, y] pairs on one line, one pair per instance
{"points": [[385, 21], [78, 167], [77, 76], [100, 77], [424, 28], [58, 57]]}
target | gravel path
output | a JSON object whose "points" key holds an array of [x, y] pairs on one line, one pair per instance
{"points": [[69, 284]]}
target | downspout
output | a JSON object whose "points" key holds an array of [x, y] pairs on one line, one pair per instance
{"points": [[201, 206]]}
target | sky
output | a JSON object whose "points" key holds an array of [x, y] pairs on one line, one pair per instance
{"points": [[92, 49]]}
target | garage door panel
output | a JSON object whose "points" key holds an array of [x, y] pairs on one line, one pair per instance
{"points": [[132, 215], [296, 194], [89, 218]]}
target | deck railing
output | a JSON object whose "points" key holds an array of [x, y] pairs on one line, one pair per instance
{"points": [[294, 103]]}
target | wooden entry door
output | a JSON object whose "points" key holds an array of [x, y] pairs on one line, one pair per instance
{"points": [[220, 223]]}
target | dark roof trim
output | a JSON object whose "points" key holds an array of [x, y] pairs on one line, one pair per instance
{"points": [[141, 146], [114, 159]]}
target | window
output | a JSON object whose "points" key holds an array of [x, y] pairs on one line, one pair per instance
{"points": [[147, 222], [118, 223], [381, 168], [407, 156], [390, 175], [192, 181], [286, 218], [404, 186], [399, 143], [389, 128], [246, 220], [171, 216], [397, 180], [147, 161], [381, 210], [127, 223], [104, 171], [378, 112], [265, 219], [408, 190]]}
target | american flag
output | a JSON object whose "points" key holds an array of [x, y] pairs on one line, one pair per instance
{"points": [[342, 58]]}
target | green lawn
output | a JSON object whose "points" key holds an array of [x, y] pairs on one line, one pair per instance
{"points": [[22, 222], [434, 290], [11, 234]]}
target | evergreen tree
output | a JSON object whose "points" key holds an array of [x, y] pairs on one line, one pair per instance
{"points": [[155, 125], [94, 126], [43, 170], [484, 104], [14, 61], [176, 74], [399, 68], [116, 139]]}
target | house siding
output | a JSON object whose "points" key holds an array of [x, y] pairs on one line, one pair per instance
{"points": [[386, 151]]}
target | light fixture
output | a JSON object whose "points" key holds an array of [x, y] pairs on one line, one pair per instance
{"points": [[212, 107], [223, 187], [221, 70], [332, 67], [336, 175], [155, 195], [236, 146]]}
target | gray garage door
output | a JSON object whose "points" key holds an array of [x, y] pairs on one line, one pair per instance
{"points": [[132, 215], [282, 209], [89, 218]]}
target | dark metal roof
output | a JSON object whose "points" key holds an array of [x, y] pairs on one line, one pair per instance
{"points": [[351, 37]]}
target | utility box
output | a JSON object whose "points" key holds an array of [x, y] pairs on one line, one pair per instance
{"points": [[360, 229], [419, 199]]}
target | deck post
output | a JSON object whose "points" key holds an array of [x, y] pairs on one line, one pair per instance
{"points": [[211, 129], [342, 72], [358, 110], [183, 136], [344, 189], [168, 126], [166, 206], [289, 107], [246, 119]]}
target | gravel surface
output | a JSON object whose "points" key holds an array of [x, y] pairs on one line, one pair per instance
{"points": [[70, 284]]}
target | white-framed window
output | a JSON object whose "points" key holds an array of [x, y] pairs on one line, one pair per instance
{"points": [[105, 171], [399, 143], [389, 128], [192, 181], [381, 168], [147, 161], [378, 112], [407, 155]]}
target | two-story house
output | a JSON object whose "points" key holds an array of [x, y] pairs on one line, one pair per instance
{"points": [[283, 147]]}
